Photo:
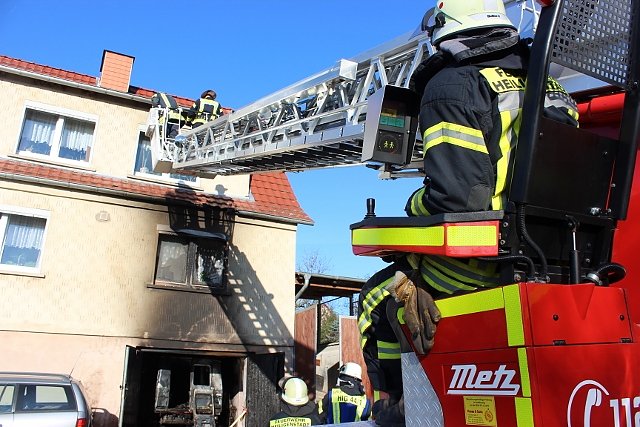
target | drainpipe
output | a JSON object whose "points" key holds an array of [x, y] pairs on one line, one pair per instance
{"points": [[307, 279]]}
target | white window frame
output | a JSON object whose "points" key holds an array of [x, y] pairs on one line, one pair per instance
{"points": [[62, 113], [28, 212], [164, 177]]}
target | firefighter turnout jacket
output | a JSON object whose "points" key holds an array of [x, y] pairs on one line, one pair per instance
{"points": [[296, 416], [163, 100], [470, 119], [344, 404], [471, 92], [203, 110]]}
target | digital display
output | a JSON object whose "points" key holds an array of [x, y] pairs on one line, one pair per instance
{"points": [[390, 118]]}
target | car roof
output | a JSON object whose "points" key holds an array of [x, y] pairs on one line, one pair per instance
{"points": [[35, 377]]}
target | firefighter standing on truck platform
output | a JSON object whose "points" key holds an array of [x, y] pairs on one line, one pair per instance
{"points": [[204, 109], [471, 93], [296, 410], [347, 402]]}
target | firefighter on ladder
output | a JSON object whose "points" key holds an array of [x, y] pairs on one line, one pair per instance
{"points": [[471, 93], [204, 109], [170, 118], [347, 402]]}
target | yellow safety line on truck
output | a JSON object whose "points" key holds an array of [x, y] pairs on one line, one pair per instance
{"points": [[389, 236], [472, 235]]}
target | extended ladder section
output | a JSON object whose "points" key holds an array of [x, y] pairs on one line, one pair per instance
{"points": [[317, 122]]}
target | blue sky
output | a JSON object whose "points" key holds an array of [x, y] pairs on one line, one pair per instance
{"points": [[245, 50]]}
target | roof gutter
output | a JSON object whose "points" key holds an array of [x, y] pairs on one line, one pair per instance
{"points": [[274, 218], [76, 85], [124, 194]]}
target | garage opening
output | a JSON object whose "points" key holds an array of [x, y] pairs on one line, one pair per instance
{"points": [[200, 389], [190, 389]]}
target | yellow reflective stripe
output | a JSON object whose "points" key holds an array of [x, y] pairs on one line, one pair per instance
{"points": [[371, 300], [388, 350], [524, 372], [417, 208], [389, 345], [414, 236], [474, 278], [513, 315], [502, 165], [573, 113], [524, 412], [363, 341], [338, 396], [454, 282], [437, 286], [458, 135], [400, 316], [376, 395], [507, 297], [490, 299], [472, 235]]}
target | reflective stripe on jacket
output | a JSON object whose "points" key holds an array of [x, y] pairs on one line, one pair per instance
{"points": [[291, 422], [343, 407]]}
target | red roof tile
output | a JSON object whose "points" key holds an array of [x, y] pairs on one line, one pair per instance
{"points": [[81, 78], [272, 192]]}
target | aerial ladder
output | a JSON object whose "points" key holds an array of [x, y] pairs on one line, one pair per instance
{"points": [[565, 343], [314, 123]]}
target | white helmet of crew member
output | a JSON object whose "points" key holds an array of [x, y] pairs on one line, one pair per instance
{"points": [[294, 392], [457, 16], [350, 369]]}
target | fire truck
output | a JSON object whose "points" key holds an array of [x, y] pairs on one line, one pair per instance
{"points": [[564, 347]]}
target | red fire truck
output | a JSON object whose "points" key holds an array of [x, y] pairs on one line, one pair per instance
{"points": [[564, 346]]}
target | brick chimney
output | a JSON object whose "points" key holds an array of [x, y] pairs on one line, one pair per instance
{"points": [[115, 71]]}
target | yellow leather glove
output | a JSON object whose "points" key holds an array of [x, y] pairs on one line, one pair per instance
{"points": [[421, 314]]}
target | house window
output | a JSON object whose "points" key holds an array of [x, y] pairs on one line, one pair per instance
{"points": [[192, 262], [144, 165], [22, 241], [57, 136]]}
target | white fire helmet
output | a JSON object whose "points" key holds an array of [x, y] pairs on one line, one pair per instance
{"points": [[295, 392], [351, 369], [457, 16]]}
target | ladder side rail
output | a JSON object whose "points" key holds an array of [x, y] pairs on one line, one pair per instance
{"points": [[534, 102]]}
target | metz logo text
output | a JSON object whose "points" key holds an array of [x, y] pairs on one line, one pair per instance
{"points": [[469, 380]]}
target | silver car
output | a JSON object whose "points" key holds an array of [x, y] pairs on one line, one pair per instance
{"points": [[42, 400]]}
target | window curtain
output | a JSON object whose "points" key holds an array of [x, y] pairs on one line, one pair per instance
{"points": [[37, 132], [76, 140], [25, 232]]}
